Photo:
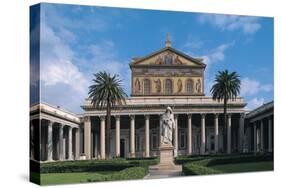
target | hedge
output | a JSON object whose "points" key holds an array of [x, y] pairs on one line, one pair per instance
{"points": [[84, 166], [126, 174], [202, 166], [144, 162], [93, 165], [129, 173]]}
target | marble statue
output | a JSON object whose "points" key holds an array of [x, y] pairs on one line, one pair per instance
{"points": [[167, 127]]}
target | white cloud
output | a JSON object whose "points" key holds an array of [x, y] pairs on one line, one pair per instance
{"points": [[252, 87], [62, 83], [57, 71], [86, 21], [254, 103], [247, 24], [217, 54]]}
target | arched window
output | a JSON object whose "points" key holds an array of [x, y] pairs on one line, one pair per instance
{"points": [[189, 86], [168, 87], [146, 86]]}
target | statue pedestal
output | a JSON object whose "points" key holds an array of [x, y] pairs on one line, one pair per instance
{"points": [[166, 156]]}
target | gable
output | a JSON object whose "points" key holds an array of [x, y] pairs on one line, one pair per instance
{"points": [[168, 57]]}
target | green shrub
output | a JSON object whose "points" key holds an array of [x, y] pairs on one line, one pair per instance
{"points": [[126, 174], [129, 173], [96, 165], [144, 162], [203, 165], [84, 166], [240, 159], [196, 169], [185, 159]]}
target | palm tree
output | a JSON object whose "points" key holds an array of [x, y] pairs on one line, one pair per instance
{"points": [[226, 87], [106, 92]]}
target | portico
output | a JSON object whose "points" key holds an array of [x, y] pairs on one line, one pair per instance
{"points": [[57, 133], [199, 131], [259, 129]]}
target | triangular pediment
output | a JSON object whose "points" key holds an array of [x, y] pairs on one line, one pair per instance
{"points": [[168, 57]]}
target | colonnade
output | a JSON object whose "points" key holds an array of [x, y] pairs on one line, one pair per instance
{"points": [[132, 153]]}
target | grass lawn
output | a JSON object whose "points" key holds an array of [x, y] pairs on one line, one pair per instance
{"points": [[245, 167], [67, 178]]}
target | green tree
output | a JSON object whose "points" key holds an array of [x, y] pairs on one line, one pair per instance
{"points": [[107, 92], [226, 87]]}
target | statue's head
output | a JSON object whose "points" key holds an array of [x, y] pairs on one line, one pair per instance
{"points": [[169, 110]]}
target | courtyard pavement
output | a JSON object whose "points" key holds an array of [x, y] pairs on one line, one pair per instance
{"points": [[172, 171]]}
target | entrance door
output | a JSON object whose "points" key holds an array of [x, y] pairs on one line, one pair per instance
{"points": [[122, 148]]}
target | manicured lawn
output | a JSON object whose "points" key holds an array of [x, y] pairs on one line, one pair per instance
{"points": [[66, 178], [245, 167]]}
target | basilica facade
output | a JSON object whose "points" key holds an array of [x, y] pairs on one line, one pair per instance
{"points": [[163, 78]]}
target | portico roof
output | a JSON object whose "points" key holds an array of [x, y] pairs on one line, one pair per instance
{"points": [[180, 104]]}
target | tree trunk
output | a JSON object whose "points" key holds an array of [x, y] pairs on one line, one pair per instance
{"points": [[108, 122]]}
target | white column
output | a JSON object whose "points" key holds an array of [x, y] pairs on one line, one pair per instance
{"points": [[64, 146], [203, 137], [160, 131], [32, 140], [50, 141], [61, 142], [229, 134], [189, 132], [77, 144], [96, 145], [255, 137], [117, 136], [70, 154], [241, 132], [87, 137], [216, 133], [147, 136], [176, 136], [269, 135], [262, 140], [132, 136], [102, 137]]}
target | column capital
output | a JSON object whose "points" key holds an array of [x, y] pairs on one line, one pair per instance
{"points": [[242, 115], [117, 117], [229, 115], [132, 117], [203, 115], [147, 117], [50, 122], [216, 115], [176, 116], [87, 118], [189, 114], [102, 118]]}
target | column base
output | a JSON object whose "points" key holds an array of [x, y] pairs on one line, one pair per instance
{"points": [[132, 155]]}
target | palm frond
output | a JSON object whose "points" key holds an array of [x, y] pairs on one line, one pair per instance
{"points": [[106, 88]]}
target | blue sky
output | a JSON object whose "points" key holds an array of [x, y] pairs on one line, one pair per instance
{"points": [[77, 41]]}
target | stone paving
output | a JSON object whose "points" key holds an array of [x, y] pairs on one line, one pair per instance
{"points": [[156, 172]]}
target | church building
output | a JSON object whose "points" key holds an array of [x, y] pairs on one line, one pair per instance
{"points": [[164, 78]]}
